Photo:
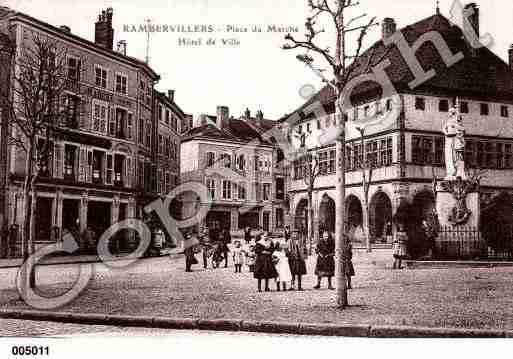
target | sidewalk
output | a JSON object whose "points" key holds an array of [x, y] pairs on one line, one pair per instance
{"points": [[65, 259]]}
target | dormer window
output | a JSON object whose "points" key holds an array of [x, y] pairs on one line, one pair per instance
{"points": [[443, 106], [485, 109], [420, 103], [504, 111]]}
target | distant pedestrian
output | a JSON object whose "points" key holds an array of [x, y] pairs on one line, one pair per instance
{"points": [[399, 247], [247, 235], [226, 239], [282, 267], [206, 246], [286, 233], [296, 253], [388, 232], [238, 257], [190, 259], [325, 266], [264, 267], [347, 257]]}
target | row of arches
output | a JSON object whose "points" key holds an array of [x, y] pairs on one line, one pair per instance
{"points": [[380, 212]]}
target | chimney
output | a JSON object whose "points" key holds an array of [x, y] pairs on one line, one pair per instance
{"points": [[103, 30], [201, 120], [388, 27], [122, 47], [471, 17], [65, 29], [223, 114], [510, 52], [171, 95], [259, 117]]}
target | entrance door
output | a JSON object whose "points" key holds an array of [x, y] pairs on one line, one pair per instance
{"points": [[265, 220], [43, 218]]}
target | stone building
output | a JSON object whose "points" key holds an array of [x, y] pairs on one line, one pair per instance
{"points": [[100, 168], [169, 120], [238, 163], [405, 143]]}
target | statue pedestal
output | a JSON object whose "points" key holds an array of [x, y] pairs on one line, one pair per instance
{"points": [[458, 209]]}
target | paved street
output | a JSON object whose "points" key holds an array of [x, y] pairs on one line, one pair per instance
{"points": [[458, 297]]}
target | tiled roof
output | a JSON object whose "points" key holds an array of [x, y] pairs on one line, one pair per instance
{"points": [[234, 131], [482, 75], [261, 125]]}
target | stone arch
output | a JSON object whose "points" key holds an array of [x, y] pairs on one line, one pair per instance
{"points": [[354, 211], [380, 212], [327, 213], [301, 215]]}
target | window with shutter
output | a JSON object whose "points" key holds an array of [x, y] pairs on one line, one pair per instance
{"points": [[112, 122], [59, 161], [128, 172], [82, 165], [130, 126], [89, 167], [108, 177]]}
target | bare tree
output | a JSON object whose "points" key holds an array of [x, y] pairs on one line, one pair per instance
{"points": [[310, 166], [337, 57], [366, 166], [34, 110]]}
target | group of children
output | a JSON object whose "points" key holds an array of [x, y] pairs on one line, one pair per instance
{"points": [[282, 261], [243, 255]]}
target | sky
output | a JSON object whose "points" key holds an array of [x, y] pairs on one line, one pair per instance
{"points": [[256, 74]]}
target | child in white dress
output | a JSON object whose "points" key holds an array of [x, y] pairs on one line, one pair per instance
{"points": [[238, 257], [282, 267]]}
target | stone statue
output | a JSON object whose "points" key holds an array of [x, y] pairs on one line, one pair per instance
{"points": [[454, 146]]}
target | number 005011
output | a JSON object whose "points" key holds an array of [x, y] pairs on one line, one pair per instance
{"points": [[30, 350]]}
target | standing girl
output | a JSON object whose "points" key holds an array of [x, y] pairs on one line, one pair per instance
{"points": [[325, 259], [282, 267], [264, 267], [238, 257]]}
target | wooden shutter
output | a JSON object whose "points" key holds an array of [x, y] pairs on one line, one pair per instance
{"points": [[89, 166], [82, 160], [59, 161], [111, 130], [109, 168], [85, 119], [128, 172], [104, 167]]}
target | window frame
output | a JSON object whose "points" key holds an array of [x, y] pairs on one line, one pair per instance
{"points": [[106, 80]]}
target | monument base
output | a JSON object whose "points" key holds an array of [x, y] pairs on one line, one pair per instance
{"points": [[458, 209]]}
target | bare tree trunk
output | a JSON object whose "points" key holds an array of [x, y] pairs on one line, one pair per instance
{"points": [[367, 223], [32, 227], [340, 227], [310, 220], [25, 232], [29, 205]]}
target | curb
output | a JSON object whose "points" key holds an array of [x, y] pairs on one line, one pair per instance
{"points": [[360, 331], [454, 264]]}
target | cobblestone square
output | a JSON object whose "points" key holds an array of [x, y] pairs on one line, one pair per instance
{"points": [[454, 297]]}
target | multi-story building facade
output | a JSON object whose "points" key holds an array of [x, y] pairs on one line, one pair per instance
{"points": [[238, 166], [101, 162], [405, 144], [169, 119]]}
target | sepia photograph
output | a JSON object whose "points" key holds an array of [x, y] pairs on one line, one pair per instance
{"points": [[195, 177]]}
